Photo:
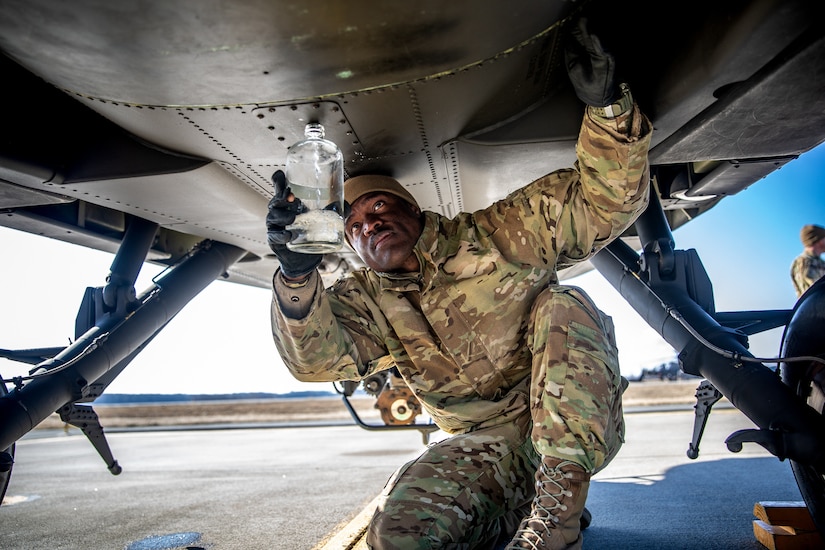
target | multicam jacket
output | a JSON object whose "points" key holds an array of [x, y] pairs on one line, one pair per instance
{"points": [[806, 269], [456, 329]]}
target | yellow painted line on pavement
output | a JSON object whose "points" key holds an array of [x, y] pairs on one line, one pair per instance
{"points": [[351, 535]]}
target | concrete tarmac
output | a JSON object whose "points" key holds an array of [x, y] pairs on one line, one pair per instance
{"points": [[296, 487]]}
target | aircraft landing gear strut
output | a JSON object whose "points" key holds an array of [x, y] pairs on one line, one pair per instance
{"points": [[672, 292], [116, 325]]}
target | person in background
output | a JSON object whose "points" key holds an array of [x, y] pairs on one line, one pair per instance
{"points": [[809, 266], [522, 372]]}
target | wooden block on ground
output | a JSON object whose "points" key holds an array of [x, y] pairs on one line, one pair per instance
{"points": [[785, 526], [779, 537], [791, 513]]}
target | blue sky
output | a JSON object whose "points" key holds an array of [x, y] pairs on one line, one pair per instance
{"points": [[221, 341]]}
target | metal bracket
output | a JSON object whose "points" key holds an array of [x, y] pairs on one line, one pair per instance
{"points": [[706, 396], [772, 440], [425, 429], [85, 418]]}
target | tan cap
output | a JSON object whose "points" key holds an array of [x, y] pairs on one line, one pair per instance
{"points": [[357, 187], [811, 234]]}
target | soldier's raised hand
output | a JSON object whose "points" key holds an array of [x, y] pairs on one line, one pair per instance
{"points": [[591, 69]]}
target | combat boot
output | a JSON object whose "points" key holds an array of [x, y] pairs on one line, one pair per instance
{"points": [[554, 521]]}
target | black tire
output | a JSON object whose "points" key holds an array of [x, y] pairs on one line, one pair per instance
{"points": [[808, 383], [803, 337], [6, 459]]}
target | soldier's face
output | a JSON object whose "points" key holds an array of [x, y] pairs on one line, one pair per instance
{"points": [[383, 230]]}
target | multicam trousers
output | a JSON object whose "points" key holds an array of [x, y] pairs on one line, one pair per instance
{"points": [[470, 491]]}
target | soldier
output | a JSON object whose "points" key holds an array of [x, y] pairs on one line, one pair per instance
{"points": [[809, 266], [521, 371]]}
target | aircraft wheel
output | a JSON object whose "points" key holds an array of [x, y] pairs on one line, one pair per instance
{"points": [[803, 337], [6, 460]]}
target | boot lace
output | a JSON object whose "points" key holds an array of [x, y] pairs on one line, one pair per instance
{"points": [[550, 491]]}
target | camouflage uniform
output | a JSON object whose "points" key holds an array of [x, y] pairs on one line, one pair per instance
{"points": [[806, 269], [494, 349]]}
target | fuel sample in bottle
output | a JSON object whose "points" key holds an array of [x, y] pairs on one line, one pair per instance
{"points": [[315, 174]]}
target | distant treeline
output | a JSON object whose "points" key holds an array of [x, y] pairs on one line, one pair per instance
{"points": [[121, 398]]}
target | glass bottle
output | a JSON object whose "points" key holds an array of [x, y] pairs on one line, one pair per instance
{"points": [[315, 175]]}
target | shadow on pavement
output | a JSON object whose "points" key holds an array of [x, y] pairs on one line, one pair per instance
{"points": [[693, 506]]}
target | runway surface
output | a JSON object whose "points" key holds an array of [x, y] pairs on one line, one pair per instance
{"points": [[295, 487]]}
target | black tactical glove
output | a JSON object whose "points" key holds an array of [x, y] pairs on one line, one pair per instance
{"points": [[591, 69], [282, 213]]}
